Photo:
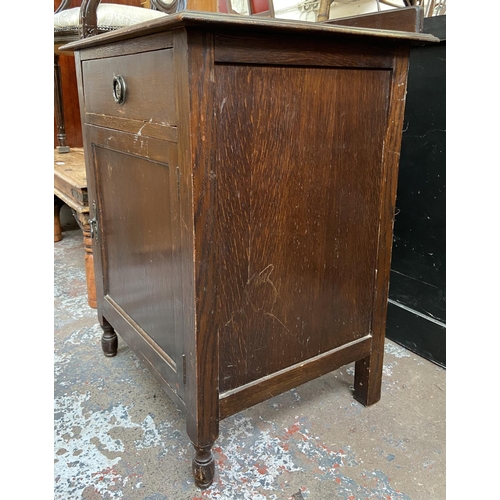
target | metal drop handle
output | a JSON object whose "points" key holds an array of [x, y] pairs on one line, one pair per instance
{"points": [[119, 89]]}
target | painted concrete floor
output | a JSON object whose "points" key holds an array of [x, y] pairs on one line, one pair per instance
{"points": [[118, 436]]}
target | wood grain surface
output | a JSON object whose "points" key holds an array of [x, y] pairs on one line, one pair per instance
{"points": [[249, 251], [298, 195], [148, 79]]}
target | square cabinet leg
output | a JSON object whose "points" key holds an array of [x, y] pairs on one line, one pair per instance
{"points": [[368, 379]]}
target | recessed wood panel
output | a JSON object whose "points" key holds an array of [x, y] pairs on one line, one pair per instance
{"points": [[298, 168], [138, 224]]}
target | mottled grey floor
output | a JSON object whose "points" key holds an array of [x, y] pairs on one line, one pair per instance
{"points": [[118, 436]]}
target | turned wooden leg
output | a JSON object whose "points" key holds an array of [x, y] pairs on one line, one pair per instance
{"points": [[59, 109], [109, 339], [203, 467], [368, 379], [83, 222], [89, 267], [57, 220]]}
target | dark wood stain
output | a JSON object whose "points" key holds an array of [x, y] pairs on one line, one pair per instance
{"points": [[299, 50], [238, 399], [297, 219], [405, 19], [249, 25], [143, 74], [368, 371], [71, 111], [246, 250]]}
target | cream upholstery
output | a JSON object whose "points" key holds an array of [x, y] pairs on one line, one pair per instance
{"points": [[109, 17]]}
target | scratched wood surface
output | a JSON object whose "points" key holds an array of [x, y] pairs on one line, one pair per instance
{"points": [[70, 167], [368, 371], [249, 252], [70, 179], [297, 219], [195, 91], [241, 24], [137, 245], [144, 74], [70, 88]]}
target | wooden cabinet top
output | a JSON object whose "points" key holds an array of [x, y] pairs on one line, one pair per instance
{"points": [[225, 22]]}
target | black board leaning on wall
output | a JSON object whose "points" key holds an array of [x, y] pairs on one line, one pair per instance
{"points": [[416, 315]]}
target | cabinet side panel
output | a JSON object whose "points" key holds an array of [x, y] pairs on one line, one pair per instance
{"points": [[299, 176]]}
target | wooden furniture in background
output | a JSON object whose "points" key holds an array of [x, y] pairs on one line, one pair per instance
{"points": [[242, 179], [69, 171], [263, 8], [86, 22], [404, 19], [428, 8], [70, 187], [74, 19]]}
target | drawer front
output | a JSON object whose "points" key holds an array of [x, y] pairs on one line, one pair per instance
{"points": [[146, 81]]}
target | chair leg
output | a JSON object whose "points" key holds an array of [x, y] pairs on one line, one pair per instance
{"points": [[324, 10], [59, 110]]}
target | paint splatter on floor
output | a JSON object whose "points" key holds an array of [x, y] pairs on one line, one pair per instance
{"points": [[118, 436]]}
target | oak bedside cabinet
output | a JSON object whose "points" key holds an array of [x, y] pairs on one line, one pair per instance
{"points": [[242, 180]]}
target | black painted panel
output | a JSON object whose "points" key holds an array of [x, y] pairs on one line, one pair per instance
{"points": [[420, 335], [418, 274]]}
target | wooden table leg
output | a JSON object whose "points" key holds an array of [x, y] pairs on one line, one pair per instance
{"points": [[89, 267], [83, 222], [57, 220]]}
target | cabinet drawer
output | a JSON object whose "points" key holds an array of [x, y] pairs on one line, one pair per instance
{"points": [[147, 84]]}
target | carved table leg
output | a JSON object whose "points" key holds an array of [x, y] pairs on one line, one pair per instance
{"points": [[83, 222], [89, 267], [57, 220], [109, 339], [203, 467]]}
